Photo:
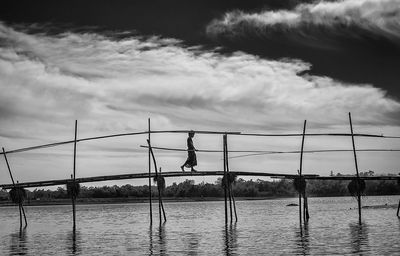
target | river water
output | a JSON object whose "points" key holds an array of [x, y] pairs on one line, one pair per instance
{"points": [[264, 227]]}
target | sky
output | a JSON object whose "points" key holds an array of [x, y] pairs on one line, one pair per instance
{"points": [[242, 66]]}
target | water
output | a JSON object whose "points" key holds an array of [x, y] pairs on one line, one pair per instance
{"points": [[266, 227]]}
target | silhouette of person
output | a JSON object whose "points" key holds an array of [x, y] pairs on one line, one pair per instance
{"points": [[191, 160]]}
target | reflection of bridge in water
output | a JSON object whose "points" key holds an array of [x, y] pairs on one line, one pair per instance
{"points": [[228, 176]]}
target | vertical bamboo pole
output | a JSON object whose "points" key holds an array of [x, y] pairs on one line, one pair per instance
{"points": [[20, 215], [162, 205], [73, 178], [398, 209], [23, 212], [358, 175], [225, 180], [151, 208], [231, 196], [76, 133], [234, 205], [301, 166], [306, 214], [228, 176], [21, 206]]}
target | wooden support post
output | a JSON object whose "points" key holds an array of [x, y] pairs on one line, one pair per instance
{"points": [[358, 175], [23, 212], [230, 190], [8, 167], [300, 209], [301, 166], [234, 205], [20, 206], [228, 176], [73, 179], [162, 205], [224, 180], [159, 192], [304, 209], [398, 209], [20, 215], [151, 207], [76, 133]]}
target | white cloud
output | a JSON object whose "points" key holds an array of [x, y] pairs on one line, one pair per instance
{"points": [[111, 86], [379, 17]]}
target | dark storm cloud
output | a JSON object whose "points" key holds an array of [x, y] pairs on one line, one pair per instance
{"points": [[353, 40]]}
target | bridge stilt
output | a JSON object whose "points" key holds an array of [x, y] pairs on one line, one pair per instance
{"points": [[234, 204], [358, 175], [398, 209], [19, 193], [149, 156], [228, 177], [301, 171], [225, 179], [305, 210], [160, 204], [73, 197]]}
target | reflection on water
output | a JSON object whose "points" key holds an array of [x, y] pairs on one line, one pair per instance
{"points": [[199, 229], [161, 239], [359, 237], [230, 239], [158, 241], [74, 242], [18, 243], [302, 240], [151, 240], [192, 245]]}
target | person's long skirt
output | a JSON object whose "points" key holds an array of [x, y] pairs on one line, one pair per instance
{"points": [[191, 160]]}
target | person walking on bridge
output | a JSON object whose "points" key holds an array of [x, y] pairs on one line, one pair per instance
{"points": [[191, 160]]}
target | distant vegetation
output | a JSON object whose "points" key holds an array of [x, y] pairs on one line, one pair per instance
{"points": [[242, 188]]}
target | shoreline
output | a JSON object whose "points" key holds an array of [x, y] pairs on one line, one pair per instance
{"points": [[88, 201], [141, 200]]}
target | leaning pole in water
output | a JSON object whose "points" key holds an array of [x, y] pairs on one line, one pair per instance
{"points": [[158, 178], [17, 194], [358, 186]]}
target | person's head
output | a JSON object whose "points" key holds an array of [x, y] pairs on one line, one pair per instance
{"points": [[191, 134]]}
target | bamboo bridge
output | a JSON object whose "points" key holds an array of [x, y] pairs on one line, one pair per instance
{"points": [[132, 176], [356, 186]]}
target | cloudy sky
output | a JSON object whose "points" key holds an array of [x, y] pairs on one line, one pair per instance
{"points": [[264, 66]]}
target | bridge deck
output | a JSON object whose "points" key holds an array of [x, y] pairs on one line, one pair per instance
{"points": [[186, 174]]}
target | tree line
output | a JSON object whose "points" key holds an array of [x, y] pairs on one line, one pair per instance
{"points": [[241, 188]]}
